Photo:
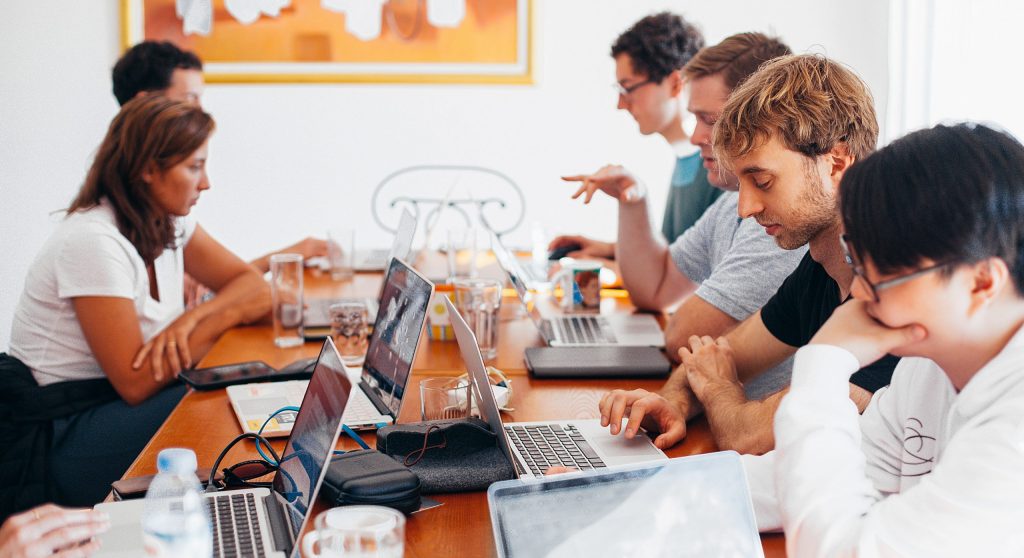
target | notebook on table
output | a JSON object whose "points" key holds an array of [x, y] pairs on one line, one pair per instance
{"points": [[637, 330], [261, 522], [533, 447], [381, 383]]}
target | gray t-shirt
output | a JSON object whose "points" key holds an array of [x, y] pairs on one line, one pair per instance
{"points": [[739, 268]]}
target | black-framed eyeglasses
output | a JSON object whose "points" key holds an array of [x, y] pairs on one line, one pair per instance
{"points": [[872, 288], [626, 91]]}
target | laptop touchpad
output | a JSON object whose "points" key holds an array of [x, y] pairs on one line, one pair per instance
{"points": [[618, 446]]}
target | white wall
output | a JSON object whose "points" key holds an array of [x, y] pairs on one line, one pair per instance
{"points": [[287, 160]]}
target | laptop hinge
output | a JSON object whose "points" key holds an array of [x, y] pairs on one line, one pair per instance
{"points": [[280, 527], [371, 394]]}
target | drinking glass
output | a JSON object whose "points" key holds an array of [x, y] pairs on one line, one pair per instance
{"points": [[479, 301], [461, 249], [286, 296], [445, 398], [341, 253], [349, 327]]}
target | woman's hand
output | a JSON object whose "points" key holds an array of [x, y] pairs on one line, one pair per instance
{"points": [[170, 346], [52, 531]]}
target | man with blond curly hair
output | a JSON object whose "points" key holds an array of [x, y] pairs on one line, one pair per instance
{"points": [[789, 133]]}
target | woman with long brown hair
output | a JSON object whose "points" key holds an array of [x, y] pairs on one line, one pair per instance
{"points": [[103, 299]]}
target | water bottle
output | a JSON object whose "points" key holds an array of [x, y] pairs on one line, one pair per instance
{"points": [[175, 521]]}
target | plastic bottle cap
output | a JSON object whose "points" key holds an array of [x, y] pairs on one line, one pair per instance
{"points": [[176, 460]]}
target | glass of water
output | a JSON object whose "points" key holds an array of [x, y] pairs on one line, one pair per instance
{"points": [[349, 327], [478, 301], [341, 250], [286, 296]]}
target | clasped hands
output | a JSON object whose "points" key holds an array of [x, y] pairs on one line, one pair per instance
{"points": [[706, 363], [709, 368]]}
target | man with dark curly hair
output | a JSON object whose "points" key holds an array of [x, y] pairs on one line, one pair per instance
{"points": [[649, 58], [158, 66]]}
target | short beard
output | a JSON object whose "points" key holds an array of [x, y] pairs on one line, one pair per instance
{"points": [[816, 210]]}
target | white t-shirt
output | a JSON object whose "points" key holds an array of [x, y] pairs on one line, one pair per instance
{"points": [[88, 256]]}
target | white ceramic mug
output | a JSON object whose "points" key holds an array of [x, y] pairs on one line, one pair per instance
{"points": [[356, 532], [580, 281]]}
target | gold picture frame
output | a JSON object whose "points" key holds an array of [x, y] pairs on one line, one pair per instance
{"points": [[306, 43]]}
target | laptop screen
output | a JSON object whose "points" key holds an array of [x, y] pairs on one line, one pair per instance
{"points": [[404, 234], [396, 333], [509, 263], [311, 444], [691, 506], [477, 372]]}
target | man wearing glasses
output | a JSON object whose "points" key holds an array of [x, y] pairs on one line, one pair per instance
{"points": [[649, 57], [789, 133]]}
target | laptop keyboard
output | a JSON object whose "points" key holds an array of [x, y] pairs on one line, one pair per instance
{"points": [[236, 531], [583, 330], [548, 445], [359, 408]]}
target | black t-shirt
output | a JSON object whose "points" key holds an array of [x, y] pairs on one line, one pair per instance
{"points": [[801, 306]]}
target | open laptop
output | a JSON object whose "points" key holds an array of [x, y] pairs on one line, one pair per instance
{"points": [[405, 297], [316, 319], [631, 330], [690, 506], [532, 447], [377, 259], [264, 522]]}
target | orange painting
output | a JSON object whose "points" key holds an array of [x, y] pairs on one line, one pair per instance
{"points": [[308, 42]]}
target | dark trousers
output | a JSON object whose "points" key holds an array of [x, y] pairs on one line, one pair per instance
{"points": [[94, 448]]}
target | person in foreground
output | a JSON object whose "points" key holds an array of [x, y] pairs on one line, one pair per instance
{"points": [[51, 531], [102, 305], [789, 133], [933, 466]]}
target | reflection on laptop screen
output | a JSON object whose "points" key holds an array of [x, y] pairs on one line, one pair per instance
{"points": [[511, 267], [313, 436], [392, 347]]}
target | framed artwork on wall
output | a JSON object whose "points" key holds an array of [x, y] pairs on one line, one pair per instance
{"points": [[362, 41]]}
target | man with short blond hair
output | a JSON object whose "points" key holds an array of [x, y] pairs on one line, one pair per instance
{"points": [[788, 133]]}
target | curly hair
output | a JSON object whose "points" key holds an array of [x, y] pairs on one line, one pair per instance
{"points": [[659, 44], [148, 66], [811, 103]]}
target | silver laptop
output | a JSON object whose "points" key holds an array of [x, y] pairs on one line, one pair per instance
{"points": [[377, 259], [405, 297], [316, 317], [634, 330], [261, 522], [690, 506], [532, 447]]}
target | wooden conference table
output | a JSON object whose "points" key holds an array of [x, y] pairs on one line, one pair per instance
{"points": [[205, 422]]}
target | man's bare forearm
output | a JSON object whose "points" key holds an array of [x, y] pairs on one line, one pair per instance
{"points": [[738, 424], [641, 256], [677, 391]]}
